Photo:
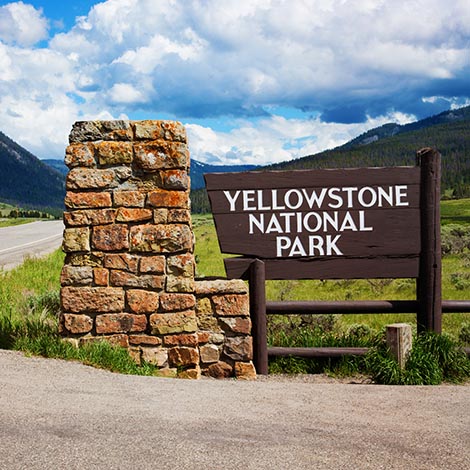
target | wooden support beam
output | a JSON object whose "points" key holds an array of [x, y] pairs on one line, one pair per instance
{"points": [[429, 279], [258, 316]]}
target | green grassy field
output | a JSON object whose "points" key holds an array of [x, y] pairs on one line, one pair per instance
{"points": [[455, 285], [29, 304], [16, 221]]}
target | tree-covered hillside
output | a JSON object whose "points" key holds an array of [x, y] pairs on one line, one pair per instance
{"points": [[452, 140], [25, 180], [394, 145]]}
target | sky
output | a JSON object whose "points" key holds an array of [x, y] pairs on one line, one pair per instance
{"points": [[253, 81]]}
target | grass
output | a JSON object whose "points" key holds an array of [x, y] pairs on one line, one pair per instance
{"points": [[29, 303], [16, 221], [29, 307], [455, 284], [357, 330], [455, 211]]}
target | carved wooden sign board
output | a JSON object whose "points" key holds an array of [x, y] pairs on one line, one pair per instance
{"points": [[319, 224]]}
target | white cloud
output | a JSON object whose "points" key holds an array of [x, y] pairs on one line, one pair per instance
{"points": [[22, 24], [239, 58], [125, 93], [276, 139]]}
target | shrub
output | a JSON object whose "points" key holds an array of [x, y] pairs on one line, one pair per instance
{"points": [[464, 334], [434, 358]]}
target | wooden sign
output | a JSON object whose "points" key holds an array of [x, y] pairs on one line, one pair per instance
{"points": [[338, 223]]}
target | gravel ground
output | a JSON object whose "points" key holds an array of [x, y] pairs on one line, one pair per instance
{"points": [[57, 414]]}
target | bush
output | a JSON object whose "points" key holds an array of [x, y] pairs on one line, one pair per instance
{"points": [[433, 359], [464, 334]]}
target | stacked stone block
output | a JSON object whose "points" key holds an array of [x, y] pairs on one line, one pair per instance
{"points": [[224, 328], [128, 276]]}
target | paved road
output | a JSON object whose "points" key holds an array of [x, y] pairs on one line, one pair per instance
{"points": [[62, 415], [34, 239]]}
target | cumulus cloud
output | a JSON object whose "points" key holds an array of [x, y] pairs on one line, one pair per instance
{"points": [[351, 64], [216, 58], [276, 138], [22, 24]]}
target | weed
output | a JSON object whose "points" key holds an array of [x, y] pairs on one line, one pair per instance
{"points": [[433, 359], [464, 335]]}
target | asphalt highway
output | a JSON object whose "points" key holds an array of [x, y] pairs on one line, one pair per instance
{"points": [[62, 415], [33, 239]]}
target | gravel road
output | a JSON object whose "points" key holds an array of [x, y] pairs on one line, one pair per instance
{"points": [[33, 239], [57, 414]]}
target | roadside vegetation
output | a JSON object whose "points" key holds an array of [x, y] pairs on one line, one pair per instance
{"points": [[11, 215], [366, 330], [29, 306]]}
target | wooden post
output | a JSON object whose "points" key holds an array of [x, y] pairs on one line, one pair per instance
{"points": [[258, 316], [399, 340], [429, 281]]}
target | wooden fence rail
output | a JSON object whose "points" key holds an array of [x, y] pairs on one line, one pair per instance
{"points": [[359, 307]]}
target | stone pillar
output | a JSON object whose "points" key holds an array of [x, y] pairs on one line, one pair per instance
{"points": [[128, 276], [129, 269]]}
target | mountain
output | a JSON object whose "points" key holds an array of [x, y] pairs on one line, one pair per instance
{"points": [[58, 165], [395, 145], [391, 129], [198, 169], [196, 172], [27, 181]]}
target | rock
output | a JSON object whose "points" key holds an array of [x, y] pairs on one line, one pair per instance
{"points": [[92, 299], [77, 324], [170, 323], [220, 370], [120, 323], [142, 301], [245, 371]]}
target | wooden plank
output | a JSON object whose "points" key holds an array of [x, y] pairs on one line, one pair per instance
{"points": [[317, 352], [313, 198], [341, 307], [395, 234], [327, 268], [312, 178]]}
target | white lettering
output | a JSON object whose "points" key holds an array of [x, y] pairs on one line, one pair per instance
{"points": [[276, 206], [297, 248], [248, 196], [314, 198], [362, 223], [373, 197], [282, 243], [254, 222], [331, 245], [401, 192], [232, 199], [332, 193], [348, 223], [350, 192], [331, 219], [318, 222], [315, 242], [260, 202], [289, 203], [274, 225], [387, 196]]}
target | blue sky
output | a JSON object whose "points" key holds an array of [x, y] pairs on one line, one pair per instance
{"points": [[254, 81]]}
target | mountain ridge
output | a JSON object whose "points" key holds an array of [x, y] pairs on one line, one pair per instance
{"points": [[25, 180], [30, 182]]}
